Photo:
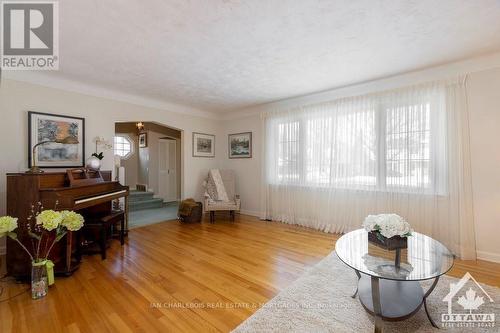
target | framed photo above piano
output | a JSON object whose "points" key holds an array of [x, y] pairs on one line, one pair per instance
{"points": [[45, 127]]}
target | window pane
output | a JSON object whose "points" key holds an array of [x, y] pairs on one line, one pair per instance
{"points": [[122, 146], [288, 150], [319, 134], [407, 146], [354, 149]]}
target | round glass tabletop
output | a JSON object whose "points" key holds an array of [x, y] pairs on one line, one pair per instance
{"points": [[425, 258]]}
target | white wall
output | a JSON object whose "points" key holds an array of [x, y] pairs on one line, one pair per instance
{"points": [[484, 107], [153, 139], [248, 170], [16, 98], [484, 117], [131, 164]]}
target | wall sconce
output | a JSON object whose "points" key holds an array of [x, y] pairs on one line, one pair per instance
{"points": [[140, 126], [70, 140]]}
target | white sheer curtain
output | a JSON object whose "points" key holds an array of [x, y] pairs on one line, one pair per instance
{"points": [[406, 151]]}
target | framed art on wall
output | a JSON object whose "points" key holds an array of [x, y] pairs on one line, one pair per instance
{"points": [[203, 145], [143, 140], [45, 127], [240, 145]]}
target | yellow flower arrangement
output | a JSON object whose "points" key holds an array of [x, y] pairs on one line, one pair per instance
{"points": [[40, 231], [7, 224], [49, 219], [71, 220]]}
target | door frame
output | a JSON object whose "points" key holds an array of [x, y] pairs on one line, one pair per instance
{"points": [[177, 142]]}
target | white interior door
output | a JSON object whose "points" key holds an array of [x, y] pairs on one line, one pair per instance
{"points": [[167, 178]]}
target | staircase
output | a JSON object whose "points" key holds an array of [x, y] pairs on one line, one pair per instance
{"points": [[139, 200]]}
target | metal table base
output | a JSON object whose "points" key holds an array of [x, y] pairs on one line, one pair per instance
{"points": [[390, 300]]}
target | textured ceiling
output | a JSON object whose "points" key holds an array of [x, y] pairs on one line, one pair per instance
{"points": [[226, 55]]}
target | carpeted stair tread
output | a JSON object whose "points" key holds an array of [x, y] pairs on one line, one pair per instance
{"points": [[140, 196], [145, 204]]}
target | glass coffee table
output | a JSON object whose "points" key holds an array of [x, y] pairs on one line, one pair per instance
{"points": [[388, 281]]}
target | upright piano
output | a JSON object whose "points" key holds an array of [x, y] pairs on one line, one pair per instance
{"points": [[91, 199]]}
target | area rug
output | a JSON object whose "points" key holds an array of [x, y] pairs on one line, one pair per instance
{"points": [[141, 218], [320, 301]]}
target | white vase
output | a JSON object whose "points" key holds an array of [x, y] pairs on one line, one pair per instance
{"points": [[93, 163]]}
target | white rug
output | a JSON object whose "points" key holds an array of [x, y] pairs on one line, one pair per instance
{"points": [[320, 301]]}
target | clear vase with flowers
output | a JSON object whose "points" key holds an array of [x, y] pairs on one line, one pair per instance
{"points": [[45, 228]]}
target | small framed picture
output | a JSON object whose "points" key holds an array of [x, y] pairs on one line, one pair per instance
{"points": [[203, 145], [143, 140], [240, 145], [46, 129]]}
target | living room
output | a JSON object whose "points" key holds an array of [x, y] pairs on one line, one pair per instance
{"points": [[314, 166]]}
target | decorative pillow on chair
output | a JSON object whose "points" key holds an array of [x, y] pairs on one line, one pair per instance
{"points": [[215, 186], [211, 189]]}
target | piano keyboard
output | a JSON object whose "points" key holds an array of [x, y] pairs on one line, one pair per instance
{"points": [[77, 202]]}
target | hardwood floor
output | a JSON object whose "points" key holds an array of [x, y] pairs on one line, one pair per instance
{"points": [[173, 277]]}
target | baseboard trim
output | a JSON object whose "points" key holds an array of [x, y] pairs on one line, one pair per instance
{"points": [[488, 256], [249, 212]]}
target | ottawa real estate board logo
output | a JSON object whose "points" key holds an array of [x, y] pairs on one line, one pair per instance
{"points": [[30, 35], [472, 310]]}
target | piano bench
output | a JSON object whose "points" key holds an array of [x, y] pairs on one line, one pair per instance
{"points": [[102, 225]]}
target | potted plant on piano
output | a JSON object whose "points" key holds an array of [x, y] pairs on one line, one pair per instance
{"points": [[45, 228], [94, 161]]}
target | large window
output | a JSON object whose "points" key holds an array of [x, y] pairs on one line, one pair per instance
{"points": [[122, 146], [407, 136], [376, 145]]}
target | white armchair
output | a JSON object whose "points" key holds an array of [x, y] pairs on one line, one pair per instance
{"points": [[220, 193]]}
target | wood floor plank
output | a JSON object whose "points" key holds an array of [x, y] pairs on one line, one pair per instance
{"points": [[170, 277]]}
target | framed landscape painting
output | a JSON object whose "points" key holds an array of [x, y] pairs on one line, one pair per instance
{"points": [[203, 145], [240, 145], [50, 127]]}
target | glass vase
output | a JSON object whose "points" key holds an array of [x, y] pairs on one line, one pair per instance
{"points": [[39, 280]]}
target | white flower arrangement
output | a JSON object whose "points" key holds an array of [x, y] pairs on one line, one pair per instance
{"points": [[101, 142], [388, 225]]}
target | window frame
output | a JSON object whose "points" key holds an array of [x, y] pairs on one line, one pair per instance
{"points": [[380, 109], [130, 141]]}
